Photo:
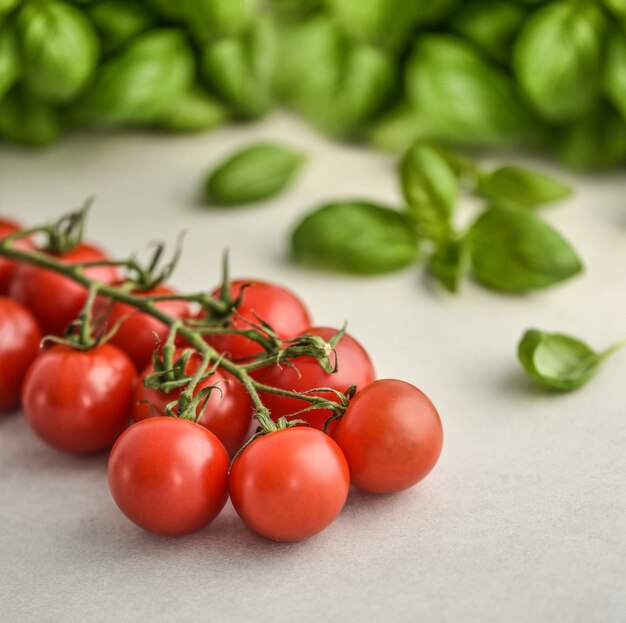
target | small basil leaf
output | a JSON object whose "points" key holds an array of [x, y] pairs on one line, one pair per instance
{"points": [[615, 70], [448, 264], [558, 58], [558, 361], [430, 187], [512, 185], [10, 66], [253, 174], [396, 130], [118, 21], [513, 250], [192, 112], [355, 237]]}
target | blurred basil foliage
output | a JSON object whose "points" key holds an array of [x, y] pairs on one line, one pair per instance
{"points": [[547, 75]]}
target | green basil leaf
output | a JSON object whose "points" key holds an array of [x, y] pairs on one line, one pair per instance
{"points": [[208, 19], [10, 66], [118, 21], [558, 361], [461, 97], [59, 47], [395, 130], [558, 58], [255, 173], [491, 25], [141, 83], [194, 111], [6, 6], [513, 250], [518, 186], [356, 237], [594, 143], [614, 79], [448, 264], [25, 119], [431, 189], [618, 8]]}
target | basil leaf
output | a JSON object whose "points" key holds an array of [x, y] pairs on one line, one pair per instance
{"points": [[25, 119], [461, 97], [142, 82], [618, 8], [194, 111], [10, 66], [430, 187], [614, 79], [118, 21], [255, 173], [6, 6], [512, 185], [558, 361], [448, 264], [355, 237], [491, 25], [513, 250], [59, 48], [558, 58], [396, 130]]}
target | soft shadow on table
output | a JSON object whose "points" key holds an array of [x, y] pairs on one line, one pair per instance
{"points": [[514, 383]]}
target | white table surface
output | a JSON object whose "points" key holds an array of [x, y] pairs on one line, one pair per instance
{"points": [[523, 519]]}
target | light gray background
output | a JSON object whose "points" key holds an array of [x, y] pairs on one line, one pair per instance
{"points": [[524, 518]]}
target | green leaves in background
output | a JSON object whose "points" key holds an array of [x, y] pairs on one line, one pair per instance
{"points": [[193, 111], [255, 173], [26, 119], [10, 66], [449, 263], [558, 58], [558, 361], [141, 83], [356, 237], [118, 21], [518, 186], [513, 250], [614, 79], [59, 49], [462, 98]]}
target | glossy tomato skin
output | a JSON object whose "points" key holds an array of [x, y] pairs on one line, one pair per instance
{"points": [[79, 401], [276, 305], [54, 299], [136, 335], [168, 475], [7, 267], [355, 368], [20, 336], [289, 485], [227, 414], [391, 435]]}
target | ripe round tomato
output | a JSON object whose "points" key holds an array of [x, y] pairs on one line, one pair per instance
{"points": [[79, 401], [136, 335], [227, 413], [355, 368], [277, 306], [169, 476], [7, 267], [391, 436], [54, 299], [289, 485], [19, 346]]}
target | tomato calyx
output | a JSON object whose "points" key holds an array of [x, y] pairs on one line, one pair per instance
{"points": [[67, 233]]}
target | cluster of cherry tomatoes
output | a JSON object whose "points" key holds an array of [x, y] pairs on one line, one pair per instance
{"points": [[173, 475]]}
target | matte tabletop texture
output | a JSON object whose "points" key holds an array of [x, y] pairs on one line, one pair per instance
{"points": [[524, 517]]}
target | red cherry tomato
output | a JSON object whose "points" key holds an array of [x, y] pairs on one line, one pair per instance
{"points": [[7, 267], [20, 336], [136, 335], [54, 299], [277, 306], [79, 401], [227, 413], [355, 368], [169, 476], [289, 485], [391, 436]]}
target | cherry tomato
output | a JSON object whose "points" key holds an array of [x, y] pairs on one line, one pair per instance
{"points": [[355, 368], [137, 333], [277, 306], [79, 401], [168, 475], [7, 267], [19, 346], [227, 413], [391, 436], [54, 299], [289, 485]]}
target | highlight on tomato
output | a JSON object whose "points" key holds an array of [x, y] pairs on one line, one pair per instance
{"points": [[169, 475], [20, 337], [391, 436], [290, 484], [79, 400], [354, 367]]}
